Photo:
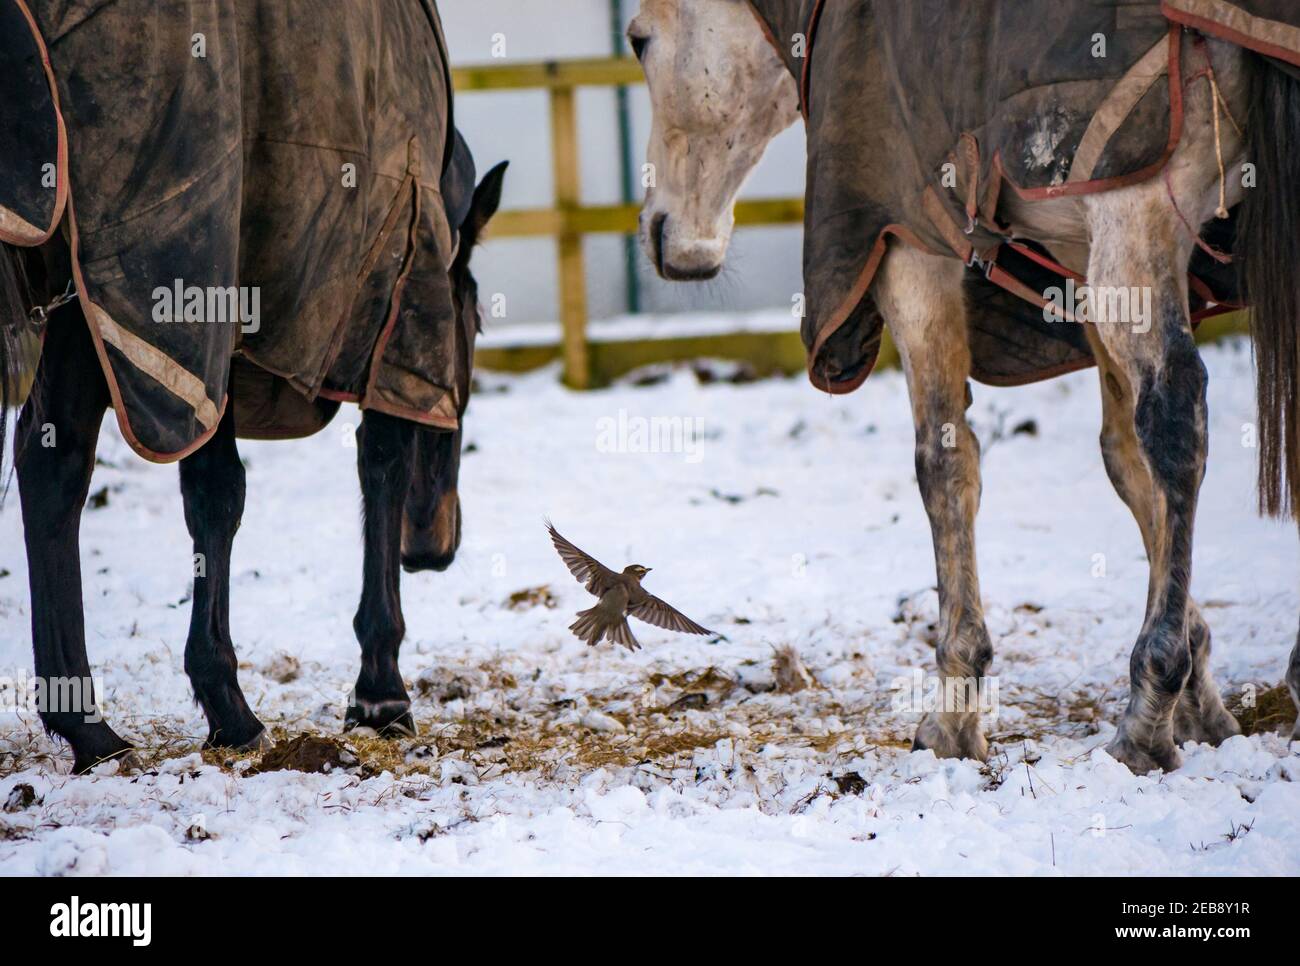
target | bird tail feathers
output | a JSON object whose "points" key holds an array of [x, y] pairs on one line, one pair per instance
{"points": [[587, 627], [620, 633]]}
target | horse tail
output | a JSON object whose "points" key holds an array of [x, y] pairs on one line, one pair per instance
{"points": [[14, 302], [1269, 265]]}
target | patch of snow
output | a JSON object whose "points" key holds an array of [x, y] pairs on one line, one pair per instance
{"points": [[799, 525]]}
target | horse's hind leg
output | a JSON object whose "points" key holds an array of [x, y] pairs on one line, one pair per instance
{"points": [[1137, 270], [212, 489], [384, 450], [921, 298], [1199, 714], [55, 457]]}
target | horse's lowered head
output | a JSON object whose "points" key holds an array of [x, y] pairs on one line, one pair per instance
{"points": [[719, 94], [431, 521]]}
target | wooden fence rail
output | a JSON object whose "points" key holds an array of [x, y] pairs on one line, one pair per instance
{"points": [[570, 219]]}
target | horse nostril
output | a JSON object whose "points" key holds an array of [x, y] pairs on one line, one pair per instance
{"points": [[657, 241]]}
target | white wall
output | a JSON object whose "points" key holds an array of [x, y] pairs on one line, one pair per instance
{"points": [[764, 263]]}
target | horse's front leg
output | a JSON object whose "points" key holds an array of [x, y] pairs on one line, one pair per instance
{"points": [[921, 298], [384, 452], [1139, 304], [1199, 714], [55, 457], [212, 489]]}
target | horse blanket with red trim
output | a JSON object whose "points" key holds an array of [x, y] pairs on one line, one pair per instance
{"points": [[1268, 27], [920, 113], [260, 181]]}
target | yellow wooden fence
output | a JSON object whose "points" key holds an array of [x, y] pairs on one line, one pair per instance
{"points": [[570, 219]]}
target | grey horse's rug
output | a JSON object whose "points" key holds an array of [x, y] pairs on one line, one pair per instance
{"points": [[920, 113], [262, 181]]}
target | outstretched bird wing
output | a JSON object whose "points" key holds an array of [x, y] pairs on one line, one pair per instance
{"points": [[652, 610], [591, 573]]}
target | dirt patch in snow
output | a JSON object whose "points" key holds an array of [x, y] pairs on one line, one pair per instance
{"points": [[1259, 711]]}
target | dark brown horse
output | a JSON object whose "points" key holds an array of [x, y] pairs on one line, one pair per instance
{"points": [[409, 496], [394, 235]]}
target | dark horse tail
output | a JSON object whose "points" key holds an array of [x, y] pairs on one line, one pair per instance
{"points": [[1269, 247], [14, 303]]}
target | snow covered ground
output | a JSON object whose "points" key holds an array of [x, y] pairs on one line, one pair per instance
{"points": [[793, 519]]}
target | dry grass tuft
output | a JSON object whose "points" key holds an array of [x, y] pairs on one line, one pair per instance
{"points": [[1270, 710], [710, 679], [787, 667], [531, 597]]}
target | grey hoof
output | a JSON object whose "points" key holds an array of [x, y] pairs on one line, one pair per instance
{"points": [[967, 742], [1141, 761]]}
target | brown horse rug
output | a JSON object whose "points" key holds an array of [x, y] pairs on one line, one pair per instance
{"points": [[919, 113], [261, 183]]}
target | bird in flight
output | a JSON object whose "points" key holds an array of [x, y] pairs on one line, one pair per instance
{"points": [[621, 596]]}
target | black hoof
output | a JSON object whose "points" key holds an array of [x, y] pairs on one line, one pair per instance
{"points": [[259, 743], [84, 760], [232, 726], [388, 719], [248, 737]]}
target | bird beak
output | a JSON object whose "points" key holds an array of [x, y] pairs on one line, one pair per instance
{"points": [[648, 569]]}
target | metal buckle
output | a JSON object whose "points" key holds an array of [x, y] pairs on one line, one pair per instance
{"points": [[39, 316], [976, 262]]}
